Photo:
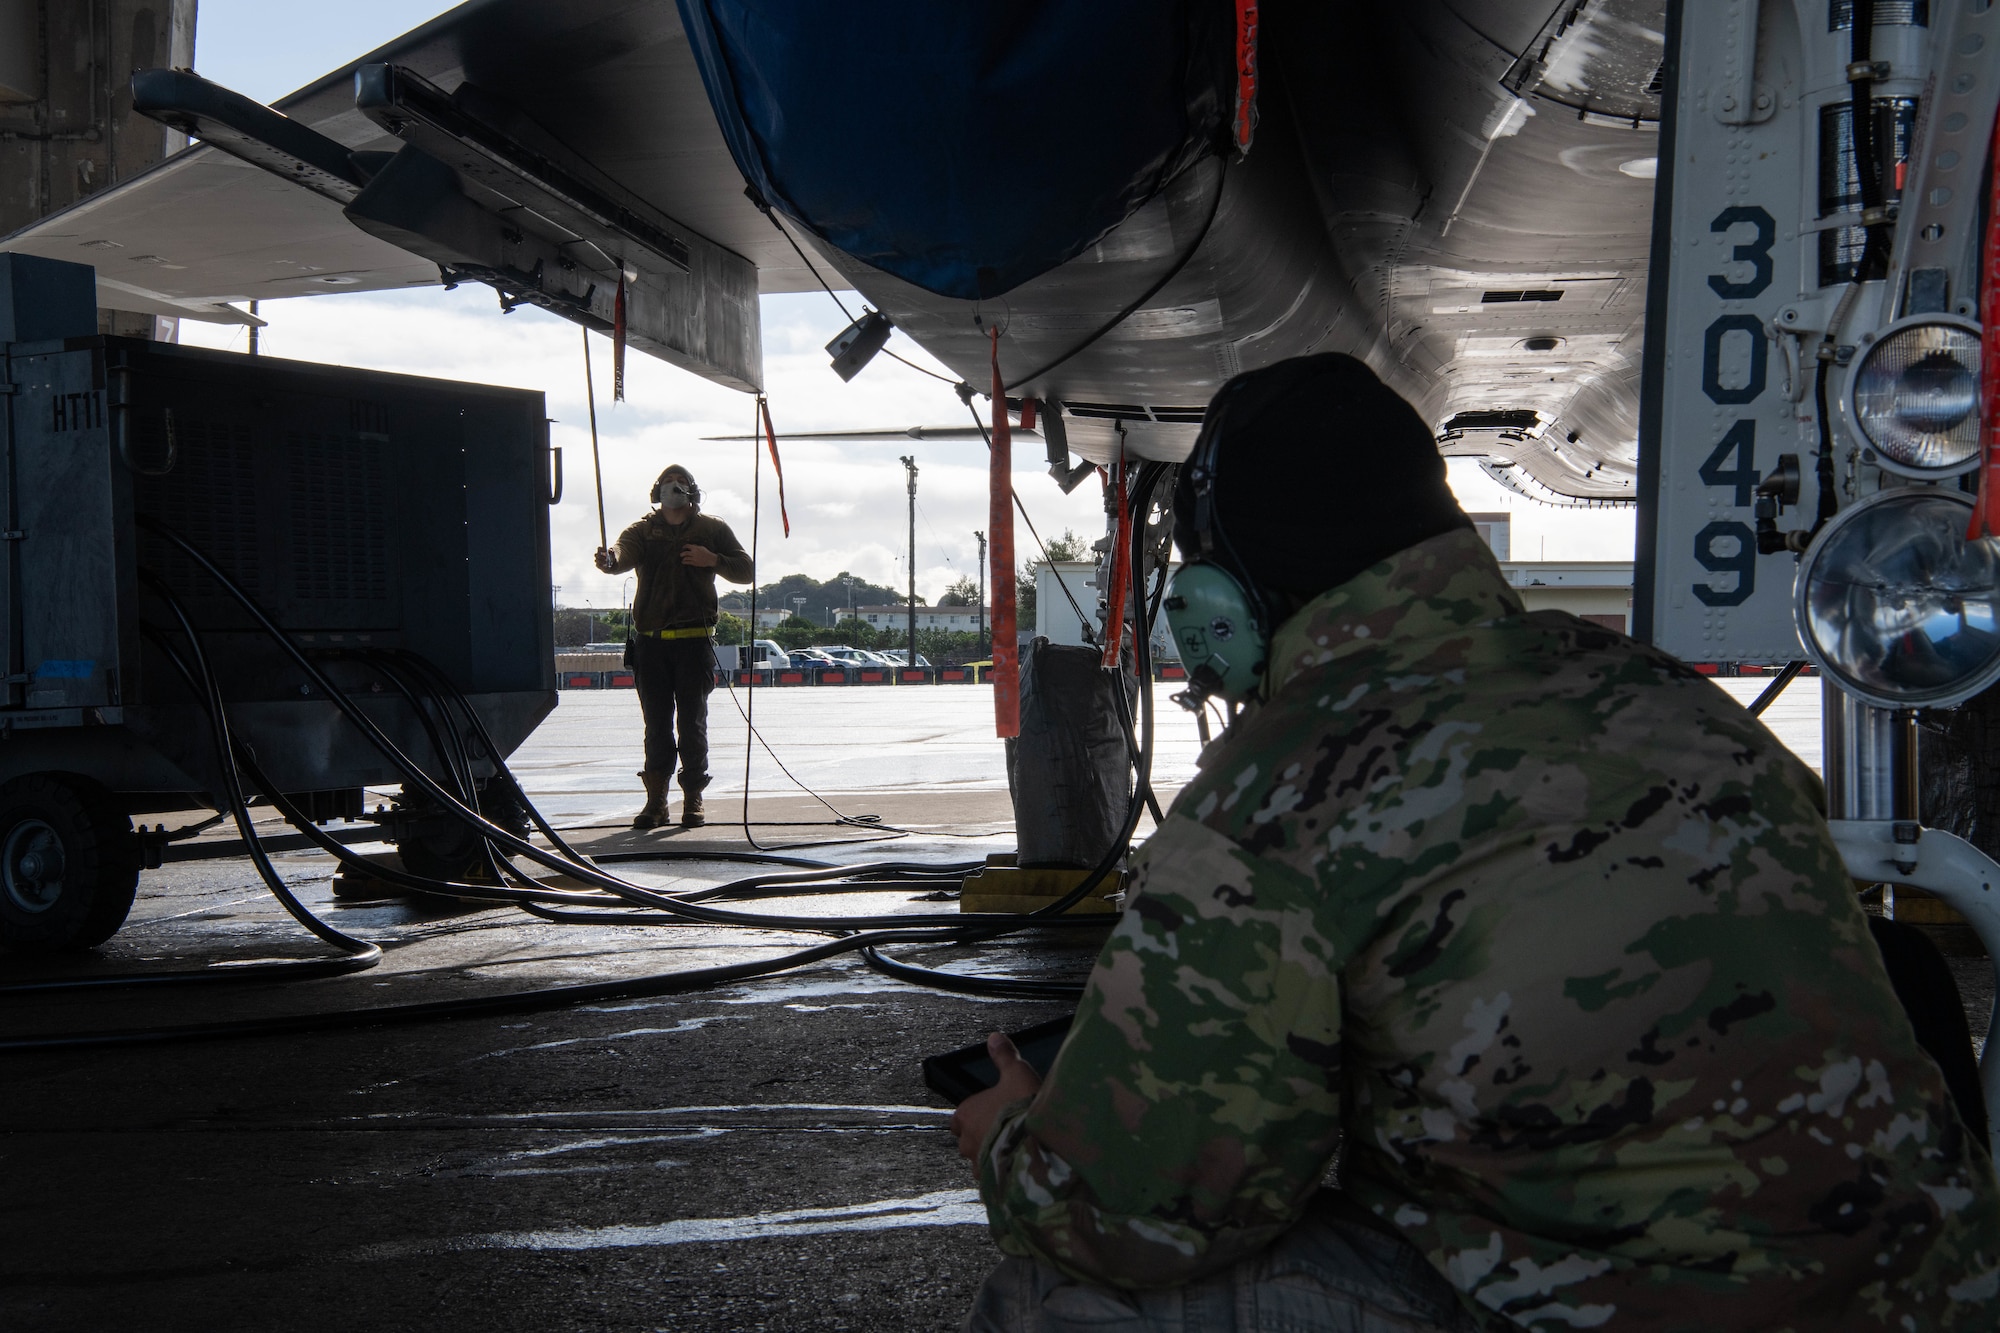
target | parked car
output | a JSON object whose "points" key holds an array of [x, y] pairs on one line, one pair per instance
{"points": [[857, 657], [767, 655], [817, 660], [900, 656]]}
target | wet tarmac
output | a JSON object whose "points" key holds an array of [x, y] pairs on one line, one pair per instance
{"points": [[758, 1156]]}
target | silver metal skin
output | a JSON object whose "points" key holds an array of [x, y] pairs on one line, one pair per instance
{"points": [[1868, 756]]}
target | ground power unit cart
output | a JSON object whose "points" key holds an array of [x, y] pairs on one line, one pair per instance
{"points": [[395, 529]]}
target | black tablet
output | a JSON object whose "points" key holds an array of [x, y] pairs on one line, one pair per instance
{"points": [[958, 1074]]}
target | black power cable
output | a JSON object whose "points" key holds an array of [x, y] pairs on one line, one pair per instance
{"points": [[1769, 694], [576, 861], [361, 953], [611, 891], [1867, 154], [364, 953], [571, 864], [517, 1002]]}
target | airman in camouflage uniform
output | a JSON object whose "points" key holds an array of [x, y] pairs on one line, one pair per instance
{"points": [[1548, 939]]}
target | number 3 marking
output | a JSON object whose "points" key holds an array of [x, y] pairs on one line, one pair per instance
{"points": [[1757, 254]]}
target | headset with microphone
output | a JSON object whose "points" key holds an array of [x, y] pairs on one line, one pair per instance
{"points": [[682, 481], [1220, 620]]}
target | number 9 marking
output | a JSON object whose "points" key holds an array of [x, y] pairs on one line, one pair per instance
{"points": [[1742, 562]]}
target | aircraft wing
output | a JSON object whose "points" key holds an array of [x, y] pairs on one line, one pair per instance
{"points": [[612, 82]]}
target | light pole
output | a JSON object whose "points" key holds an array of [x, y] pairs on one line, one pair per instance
{"points": [[798, 606], [848, 579], [982, 592], [911, 463]]}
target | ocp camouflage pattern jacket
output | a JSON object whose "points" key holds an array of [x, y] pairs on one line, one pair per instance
{"points": [[1551, 935]]}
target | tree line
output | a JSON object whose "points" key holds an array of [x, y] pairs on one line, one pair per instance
{"points": [[828, 600]]}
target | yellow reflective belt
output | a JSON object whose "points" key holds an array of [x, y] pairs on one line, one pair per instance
{"points": [[695, 632]]}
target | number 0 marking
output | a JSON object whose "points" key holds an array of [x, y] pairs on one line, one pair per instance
{"points": [[1711, 359]]}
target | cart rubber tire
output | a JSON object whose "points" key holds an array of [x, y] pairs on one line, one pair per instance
{"points": [[69, 865]]}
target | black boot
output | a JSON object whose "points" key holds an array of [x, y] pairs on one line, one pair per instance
{"points": [[655, 813]]}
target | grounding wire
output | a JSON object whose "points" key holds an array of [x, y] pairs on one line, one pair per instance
{"points": [[515, 1002], [1142, 796], [1083, 621], [1214, 210], [530, 1001]]}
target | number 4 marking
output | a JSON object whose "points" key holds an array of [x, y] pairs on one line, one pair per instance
{"points": [[1741, 441]]}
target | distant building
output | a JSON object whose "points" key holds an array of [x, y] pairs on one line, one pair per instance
{"points": [[1056, 620], [1599, 591], [1496, 530]]}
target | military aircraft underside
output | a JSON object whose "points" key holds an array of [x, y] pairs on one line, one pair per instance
{"points": [[1464, 202]]}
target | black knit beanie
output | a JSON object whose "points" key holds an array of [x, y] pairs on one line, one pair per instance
{"points": [[1321, 470]]}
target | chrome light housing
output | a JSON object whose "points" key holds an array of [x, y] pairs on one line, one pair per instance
{"points": [[1913, 395], [1897, 607]]}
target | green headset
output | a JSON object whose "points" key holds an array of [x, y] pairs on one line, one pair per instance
{"points": [[1219, 619]]}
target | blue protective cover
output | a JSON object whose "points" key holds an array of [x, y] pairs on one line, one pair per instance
{"points": [[964, 147]]}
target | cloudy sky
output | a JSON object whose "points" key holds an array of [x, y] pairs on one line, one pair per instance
{"points": [[847, 501]]}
